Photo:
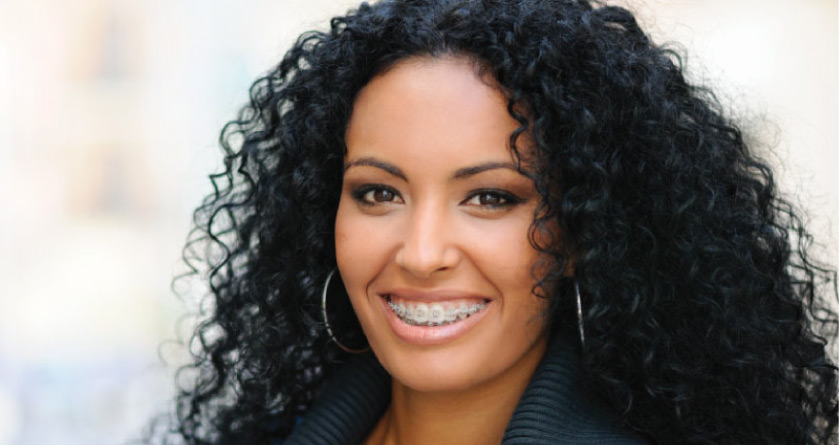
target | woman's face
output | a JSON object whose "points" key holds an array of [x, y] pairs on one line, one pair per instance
{"points": [[432, 228]]}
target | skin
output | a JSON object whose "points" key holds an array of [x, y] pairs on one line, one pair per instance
{"points": [[432, 200]]}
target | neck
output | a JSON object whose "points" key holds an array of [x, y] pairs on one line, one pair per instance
{"points": [[479, 414]]}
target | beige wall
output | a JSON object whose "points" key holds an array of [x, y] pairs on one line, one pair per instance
{"points": [[109, 112]]}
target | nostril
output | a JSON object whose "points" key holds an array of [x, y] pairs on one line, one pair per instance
{"points": [[423, 259]]}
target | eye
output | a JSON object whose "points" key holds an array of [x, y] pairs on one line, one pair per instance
{"points": [[380, 195], [372, 194], [492, 199]]}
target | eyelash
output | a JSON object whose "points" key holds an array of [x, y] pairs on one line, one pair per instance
{"points": [[507, 200], [360, 194]]}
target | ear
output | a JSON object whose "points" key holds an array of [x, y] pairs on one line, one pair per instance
{"points": [[569, 267]]}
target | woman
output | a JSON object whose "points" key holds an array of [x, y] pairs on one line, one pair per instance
{"points": [[545, 233]]}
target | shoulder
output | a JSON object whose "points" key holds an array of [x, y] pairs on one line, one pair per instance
{"points": [[349, 405], [555, 409]]}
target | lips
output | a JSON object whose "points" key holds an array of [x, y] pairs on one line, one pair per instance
{"points": [[429, 318]]}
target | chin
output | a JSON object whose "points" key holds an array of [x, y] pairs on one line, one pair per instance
{"points": [[435, 372], [454, 369]]}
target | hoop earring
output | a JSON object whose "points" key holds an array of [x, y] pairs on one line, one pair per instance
{"points": [[580, 314], [326, 319]]}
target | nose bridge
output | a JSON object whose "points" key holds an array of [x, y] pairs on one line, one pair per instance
{"points": [[427, 244]]}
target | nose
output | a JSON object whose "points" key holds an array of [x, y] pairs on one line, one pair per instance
{"points": [[428, 245]]}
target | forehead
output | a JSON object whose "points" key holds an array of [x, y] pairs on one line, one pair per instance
{"points": [[438, 110]]}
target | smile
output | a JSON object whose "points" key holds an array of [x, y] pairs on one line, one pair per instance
{"points": [[427, 318], [433, 314]]}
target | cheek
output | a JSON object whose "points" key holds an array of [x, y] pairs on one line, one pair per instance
{"points": [[503, 253], [361, 253], [348, 243], [360, 249], [508, 263]]}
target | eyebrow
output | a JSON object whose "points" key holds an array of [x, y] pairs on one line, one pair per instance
{"points": [[458, 174], [480, 168], [373, 162]]}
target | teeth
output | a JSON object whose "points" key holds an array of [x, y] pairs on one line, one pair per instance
{"points": [[451, 315], [434, 314], [420, 313], [463, 311]]}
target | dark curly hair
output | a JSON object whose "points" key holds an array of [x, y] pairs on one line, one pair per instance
{"points": [[706, 320]]}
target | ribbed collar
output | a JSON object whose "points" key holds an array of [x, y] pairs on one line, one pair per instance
{"points": [[552, 410]]}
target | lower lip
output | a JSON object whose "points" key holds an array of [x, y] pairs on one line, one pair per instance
{"points": [[430, 335]]}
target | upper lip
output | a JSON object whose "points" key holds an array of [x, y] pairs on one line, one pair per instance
{"points": [[433, 295]]}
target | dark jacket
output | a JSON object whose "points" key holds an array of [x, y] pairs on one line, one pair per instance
{"points": [[552, 410]]}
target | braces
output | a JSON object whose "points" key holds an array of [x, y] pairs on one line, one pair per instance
{"points": [[434, 314]]}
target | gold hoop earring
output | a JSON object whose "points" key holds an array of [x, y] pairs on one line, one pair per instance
{"points": [[326, 319]]}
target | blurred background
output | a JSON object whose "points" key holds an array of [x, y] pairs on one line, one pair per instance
{"points": [[109, 116]]}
